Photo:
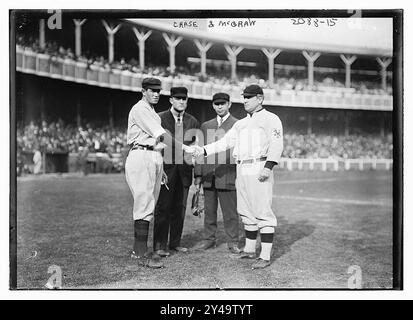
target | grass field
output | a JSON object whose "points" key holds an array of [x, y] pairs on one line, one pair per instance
{"points": [[328, 222]]}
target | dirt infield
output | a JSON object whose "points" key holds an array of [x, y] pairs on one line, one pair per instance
{"points": [[328, 222]]}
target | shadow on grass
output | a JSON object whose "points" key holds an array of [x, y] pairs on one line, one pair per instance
{"points": [[286, 234]]}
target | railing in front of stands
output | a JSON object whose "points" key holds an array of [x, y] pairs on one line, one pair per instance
{"points": [[336, 164], [102, 162], [66, 69], [300, 163]]}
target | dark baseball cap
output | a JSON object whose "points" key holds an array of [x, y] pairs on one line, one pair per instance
{"points": [[252, 90], [179, 92], [220, 97], [151, 83]]}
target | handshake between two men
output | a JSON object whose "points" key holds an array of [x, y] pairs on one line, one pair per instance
{"points": [[194, 150], [197, 151]]}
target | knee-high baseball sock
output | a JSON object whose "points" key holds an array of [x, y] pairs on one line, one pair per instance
{"points": [[267, 239], [250, 239], [141, 237]]}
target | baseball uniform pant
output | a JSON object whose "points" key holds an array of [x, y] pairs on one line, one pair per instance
{"points": [[37, 168], [254, 198], [228, 202], [143, 170]]}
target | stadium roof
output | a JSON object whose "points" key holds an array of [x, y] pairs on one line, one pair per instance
{"points": [[362, 36]]}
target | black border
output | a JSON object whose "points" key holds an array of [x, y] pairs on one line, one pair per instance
{"points": [[13, 152], [397, 114], [398, 90], [260, 309]]}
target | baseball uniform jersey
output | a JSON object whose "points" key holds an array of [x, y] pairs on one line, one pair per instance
{"points": [[143, 168], [256, 139]]}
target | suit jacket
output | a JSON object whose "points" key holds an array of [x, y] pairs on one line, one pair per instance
{"points": [[220, 166], [173, 164]]}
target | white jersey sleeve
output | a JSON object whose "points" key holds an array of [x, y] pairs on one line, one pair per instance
{"points": [[274, 130], [226, 142]]}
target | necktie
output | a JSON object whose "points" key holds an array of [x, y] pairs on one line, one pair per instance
{"points": [[219, 122], [179, 120]]}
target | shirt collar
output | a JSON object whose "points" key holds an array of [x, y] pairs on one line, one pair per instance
{"points": [[175, 114], [224, 118], [148, 104], [251, 114]]}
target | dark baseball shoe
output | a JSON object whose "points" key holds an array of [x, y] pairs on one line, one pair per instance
{"points": [[179, 249], [234, 248], [247, 255], [162, 253], [261, 264], [154, 263], [149, 261], [133, 255], [205, 245]]}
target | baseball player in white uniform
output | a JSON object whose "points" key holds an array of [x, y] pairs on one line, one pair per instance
{"points": [[37, 160], [257, 140], [144, 167]]}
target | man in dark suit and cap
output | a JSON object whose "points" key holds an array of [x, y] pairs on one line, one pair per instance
{"points": [[171, 206], [217, 175]]}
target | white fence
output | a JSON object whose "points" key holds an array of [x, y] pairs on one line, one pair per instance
{"points": [[336, 164], [66, 69], [291, 164]]}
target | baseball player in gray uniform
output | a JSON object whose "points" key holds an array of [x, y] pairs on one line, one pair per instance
{"points": [[144, 167], [257, 140]]}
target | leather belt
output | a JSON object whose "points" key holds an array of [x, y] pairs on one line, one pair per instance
{"points": [[251, 160], [141, 147]]}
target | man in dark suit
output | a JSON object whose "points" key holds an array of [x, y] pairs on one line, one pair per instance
{"points": [[217, 175], [171, 206]]}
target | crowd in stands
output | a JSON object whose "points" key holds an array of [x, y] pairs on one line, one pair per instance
{"points": [[55, 137], [353, 146], [58, 137], [284, 79]]}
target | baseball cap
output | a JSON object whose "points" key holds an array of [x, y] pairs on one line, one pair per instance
{"points": [[252, 90], [151, 83], [179, 92], [220, 97]]}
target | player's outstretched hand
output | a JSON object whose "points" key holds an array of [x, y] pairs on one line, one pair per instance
{"points": [[164, 178], [188, 149], [264, 174], [194, 150], [197, 183], [198, 151]]}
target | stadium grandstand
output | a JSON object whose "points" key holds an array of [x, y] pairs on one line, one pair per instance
{"points": [[75, 85]]}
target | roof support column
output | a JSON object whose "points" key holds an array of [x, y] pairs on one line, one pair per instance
{"points": [[311, 58], [309, 124], [172, 42], [348, 61], [271, 55], [203, 47], [233, 52], [78, 36], [346, 124], [42, 106], [384, 63], [110, 113], [382, 126], [42, 33], [78, 112], [111, 40], [142, 37]]}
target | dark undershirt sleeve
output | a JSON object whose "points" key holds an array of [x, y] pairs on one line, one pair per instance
{"points": [[270, 164]]}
